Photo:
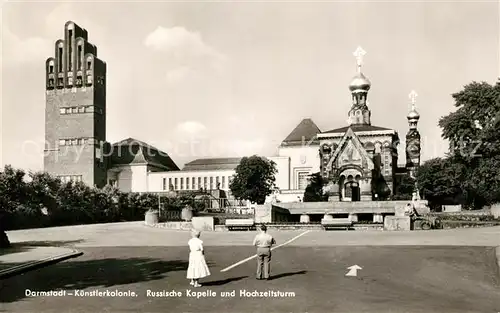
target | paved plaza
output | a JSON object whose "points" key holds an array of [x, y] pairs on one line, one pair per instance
{"points": [[434, 271]]}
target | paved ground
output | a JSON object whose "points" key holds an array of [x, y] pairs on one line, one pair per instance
{"points": [[431, 271], [23, 253], [393, 279], [137, 234]]}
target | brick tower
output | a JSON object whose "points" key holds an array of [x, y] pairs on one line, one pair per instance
{"points": [[75, 113]]}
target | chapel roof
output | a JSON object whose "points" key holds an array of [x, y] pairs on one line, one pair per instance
{"points": [[212, 164], [357, 128], [306, 131]]}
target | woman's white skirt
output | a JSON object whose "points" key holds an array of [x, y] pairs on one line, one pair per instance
{"points": [[198, 267]]}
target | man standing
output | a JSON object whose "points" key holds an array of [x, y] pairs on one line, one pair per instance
{"points": [[263, 241]]}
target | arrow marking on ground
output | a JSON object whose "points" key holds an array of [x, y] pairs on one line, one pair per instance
{"points": [[353, 270]]}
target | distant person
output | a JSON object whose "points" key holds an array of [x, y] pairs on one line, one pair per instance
{"points": [[263, 241], [197, 265]]}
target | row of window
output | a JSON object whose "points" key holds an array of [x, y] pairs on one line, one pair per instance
{"points": [[81, 109], [68, 178], [78, 82], [77, 141], [196, 183], [70, 65]]}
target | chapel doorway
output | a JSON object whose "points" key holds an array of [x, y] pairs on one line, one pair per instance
{"points": [[352, 191]]}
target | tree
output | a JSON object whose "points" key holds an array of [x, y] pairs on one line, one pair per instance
{"points": [[254, 179], [473, 131], [440, 180], [314, 190], [13, 192], [405, 188]]}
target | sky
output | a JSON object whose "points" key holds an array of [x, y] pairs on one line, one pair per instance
{"points": [[234, 78]]}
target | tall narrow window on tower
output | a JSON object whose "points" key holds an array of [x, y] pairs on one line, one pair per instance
{"points": [[79, 58], [70, 50], [51, 69], [60, 60]]}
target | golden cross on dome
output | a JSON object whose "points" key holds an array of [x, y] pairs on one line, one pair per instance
{"points": [[359, 54], [413, 97]]}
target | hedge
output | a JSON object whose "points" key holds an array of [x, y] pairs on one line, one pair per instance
{"points": [[46, 201]]}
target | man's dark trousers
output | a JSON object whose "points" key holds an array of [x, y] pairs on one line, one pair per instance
{"points": [[263, 262]]}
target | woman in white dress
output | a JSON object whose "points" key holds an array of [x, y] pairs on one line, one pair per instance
{"points": [[197, 265]]}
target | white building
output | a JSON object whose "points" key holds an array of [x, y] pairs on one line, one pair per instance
{"points": [[139, 167]]}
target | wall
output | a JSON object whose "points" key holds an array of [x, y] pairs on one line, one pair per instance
{"points": [[139, 177], [203, 223], [268, 213], [283, 174], [73, 159], [495, 210], [302, 158], [287, 196], [130, 178]]}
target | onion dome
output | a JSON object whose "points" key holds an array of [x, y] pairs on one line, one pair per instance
{"points": [[360, 83], [413, 115]]}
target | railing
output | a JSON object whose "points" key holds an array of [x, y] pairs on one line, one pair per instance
{"points": [[170, 215]]}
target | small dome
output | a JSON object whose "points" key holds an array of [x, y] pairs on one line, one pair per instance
{"points": [[360, 82], [413, 115]]}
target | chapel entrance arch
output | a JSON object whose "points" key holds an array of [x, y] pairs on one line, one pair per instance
{"points": [[350, 187]]}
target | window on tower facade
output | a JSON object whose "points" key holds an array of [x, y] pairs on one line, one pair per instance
{"points": [[70, 48], [59, 59], [79, 57]]}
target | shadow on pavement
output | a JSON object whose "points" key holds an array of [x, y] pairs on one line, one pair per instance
{"points": [[85, 274], [278, 276], [223, 281], [25, 246]]}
